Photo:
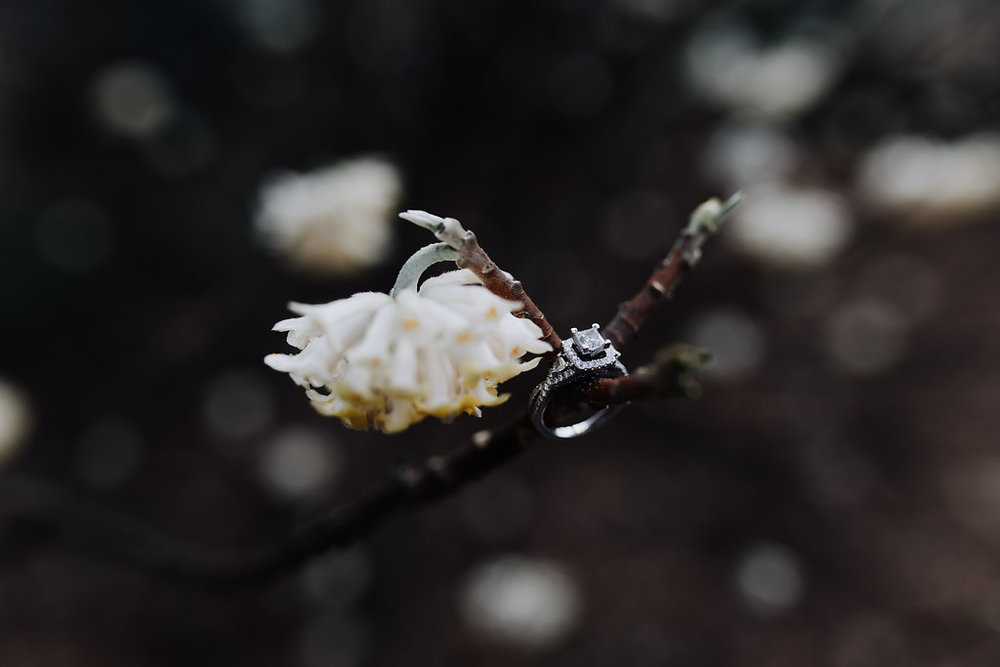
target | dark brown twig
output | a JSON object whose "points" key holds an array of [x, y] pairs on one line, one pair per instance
{"points": [[473, 257], [671, 375], [37, 507], [683, 256]]}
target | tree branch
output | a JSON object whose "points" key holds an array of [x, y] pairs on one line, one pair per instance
{"points": [[37, 506], [682, 258]]}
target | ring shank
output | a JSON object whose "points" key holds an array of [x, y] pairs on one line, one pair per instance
{"points": [[544, 392], [574, 430]]}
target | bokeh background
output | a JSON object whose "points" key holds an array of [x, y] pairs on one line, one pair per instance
{"points": [[833, 499]]}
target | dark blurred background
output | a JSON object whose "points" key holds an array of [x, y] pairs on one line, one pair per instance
{"points": [[832, 499]]}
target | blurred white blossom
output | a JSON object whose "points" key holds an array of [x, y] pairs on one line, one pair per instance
{"points": [[237, 404], [728, 69], [333, 221], [866, 337], [735, 339], [741, 154], [382, 361], [770, 579], [530, 603], [132, 99], [790, 227], [920, 181], [15, 420], [282, 26], [298, 463]]}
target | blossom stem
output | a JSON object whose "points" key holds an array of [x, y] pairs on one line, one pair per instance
{"points": [[420, 261], [472, 256]]}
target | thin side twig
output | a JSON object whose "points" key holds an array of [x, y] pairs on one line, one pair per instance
{"points": [[682, 258], [472, 256], [670, 375]]}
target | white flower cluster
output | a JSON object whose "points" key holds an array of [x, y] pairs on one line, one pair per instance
{"points": [[387, 362], [334, 221], [789, 227]]}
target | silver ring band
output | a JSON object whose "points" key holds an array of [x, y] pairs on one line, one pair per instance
{"points": [[586, 356]]}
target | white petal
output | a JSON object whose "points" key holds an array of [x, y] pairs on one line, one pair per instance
{"points": [[331, 314], [439, 379], [378, 337], [474, 360], [403, 378], [431, 319], [398, 417]]}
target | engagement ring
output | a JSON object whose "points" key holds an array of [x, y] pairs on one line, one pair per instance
{"points": [[585, 357]]}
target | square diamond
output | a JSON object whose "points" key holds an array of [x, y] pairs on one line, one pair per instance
{"points": [[588, 341]]}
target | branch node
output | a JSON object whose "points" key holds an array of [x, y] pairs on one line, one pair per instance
{"points": [[709, 216]]}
